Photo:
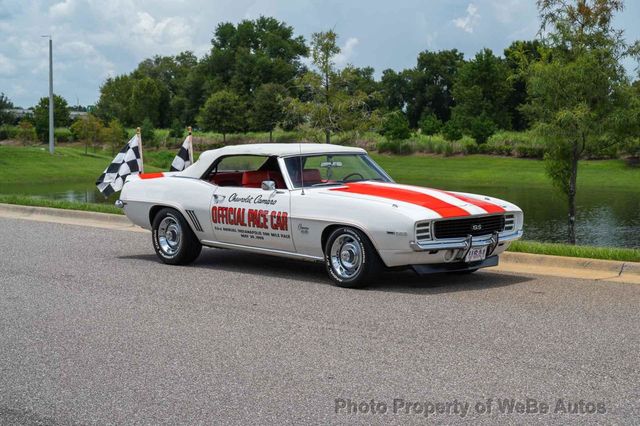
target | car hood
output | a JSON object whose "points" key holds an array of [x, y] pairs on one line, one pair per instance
{"points": [[436, 202]]}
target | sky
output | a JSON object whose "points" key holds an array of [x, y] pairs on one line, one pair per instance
{"points": [[95, 39]]}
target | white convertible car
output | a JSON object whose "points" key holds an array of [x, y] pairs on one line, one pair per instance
{"points": [[317, 202]]}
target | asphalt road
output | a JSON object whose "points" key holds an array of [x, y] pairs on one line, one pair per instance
{"points": [[93, 329]]}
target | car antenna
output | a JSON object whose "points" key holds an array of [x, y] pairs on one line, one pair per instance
{"points": [[301, 169]]}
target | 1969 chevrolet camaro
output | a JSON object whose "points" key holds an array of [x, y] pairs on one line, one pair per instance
{"points": [[317, 202]]}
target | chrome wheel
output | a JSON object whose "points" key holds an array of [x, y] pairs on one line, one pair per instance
{"points": [[346, 256], [169, 235]]}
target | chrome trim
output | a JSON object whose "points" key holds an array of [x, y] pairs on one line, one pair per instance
{"points": [[120, 204], [463, 243], [262, 250]]}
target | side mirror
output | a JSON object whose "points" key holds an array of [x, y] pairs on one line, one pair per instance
{"points": [[268, 185]]}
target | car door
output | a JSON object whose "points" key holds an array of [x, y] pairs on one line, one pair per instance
{"points": [[245, 214]]}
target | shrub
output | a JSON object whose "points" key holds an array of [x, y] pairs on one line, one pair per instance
{"points": [[63, 134], [26, 132], [177, 130], [451, 131], [430, 124], [396, 147], [395, 126], [8, 132], [524, 151], [147, 133], [481, 128]]}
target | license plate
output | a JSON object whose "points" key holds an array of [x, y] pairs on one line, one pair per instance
{"points": [[475, 254]]}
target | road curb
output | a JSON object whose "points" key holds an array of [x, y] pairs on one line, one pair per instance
{"points": [[68, 217], [607, 270], [538, 264]]}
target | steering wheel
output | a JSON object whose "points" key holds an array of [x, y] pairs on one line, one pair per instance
{"points": [[346, 178]]}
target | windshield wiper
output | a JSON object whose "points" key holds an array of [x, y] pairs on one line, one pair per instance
{"points": [[328, 183]]}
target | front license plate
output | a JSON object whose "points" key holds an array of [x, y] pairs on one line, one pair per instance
{"points": [[476, 254]]}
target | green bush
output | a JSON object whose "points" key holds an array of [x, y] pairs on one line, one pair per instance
{"points": [[395, 126], [396, 147], [524, 151], [176, 130], [147, 133], [26, 132], [62, 134], [481, 128], [451, 131], [8, 132], [430, 124]]}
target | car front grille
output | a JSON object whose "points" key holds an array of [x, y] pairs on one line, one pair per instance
{"points": [[475, 226]]}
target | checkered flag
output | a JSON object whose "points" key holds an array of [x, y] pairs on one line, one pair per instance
{"points": [[128, 161], [184, 157]]}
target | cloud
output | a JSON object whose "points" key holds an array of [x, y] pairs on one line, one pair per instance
{"points": [[469, 21], [7, 68], [62, 9], [96, 38], [346, 51]]}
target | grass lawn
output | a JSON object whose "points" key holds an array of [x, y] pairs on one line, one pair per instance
{"points": [[34, 165], [483, 170], [606, 253]]}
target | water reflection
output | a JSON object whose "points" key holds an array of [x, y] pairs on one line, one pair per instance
{"points": [[605, 217]]}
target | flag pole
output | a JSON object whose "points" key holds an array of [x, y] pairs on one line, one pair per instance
{"points": [[139, 135], [190, 145]]}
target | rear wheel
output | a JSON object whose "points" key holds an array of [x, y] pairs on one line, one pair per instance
{"points": [[173, 240], [350, 258]]}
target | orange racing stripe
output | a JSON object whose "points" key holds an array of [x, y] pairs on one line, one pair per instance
{"points": [[150, 175], [443, 208], [486, 205]]}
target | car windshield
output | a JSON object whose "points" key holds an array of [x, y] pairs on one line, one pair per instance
{"points": [[332, 169]]}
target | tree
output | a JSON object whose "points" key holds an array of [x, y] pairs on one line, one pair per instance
{"points": [[87, 129], [324, 48], [114, 135], [579, 94], [61, 116], [223, 112], [268, 107], [6, 117], [115, 100], [331, 100], [395, 89], [482, 91], [431, 85], [519, 56], [149, 99], [252, 53]]}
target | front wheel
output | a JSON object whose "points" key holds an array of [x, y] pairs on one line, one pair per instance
{"points": [[350, 258], [173, 240]]}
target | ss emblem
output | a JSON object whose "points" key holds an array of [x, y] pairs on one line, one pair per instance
{"points": [[476, 227]]}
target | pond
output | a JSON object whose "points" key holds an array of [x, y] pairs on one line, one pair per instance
{"points": [[605, 217]]}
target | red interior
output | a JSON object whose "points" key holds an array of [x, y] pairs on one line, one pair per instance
{"points": [[248, 179]]}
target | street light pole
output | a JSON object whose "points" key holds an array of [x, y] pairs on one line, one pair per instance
{"points": [[51, 123]]}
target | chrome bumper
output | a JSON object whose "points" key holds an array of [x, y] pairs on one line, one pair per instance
{"points": [[466, 243]]}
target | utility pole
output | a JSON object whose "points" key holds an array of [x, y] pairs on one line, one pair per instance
{"points": [[51, 148]]}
